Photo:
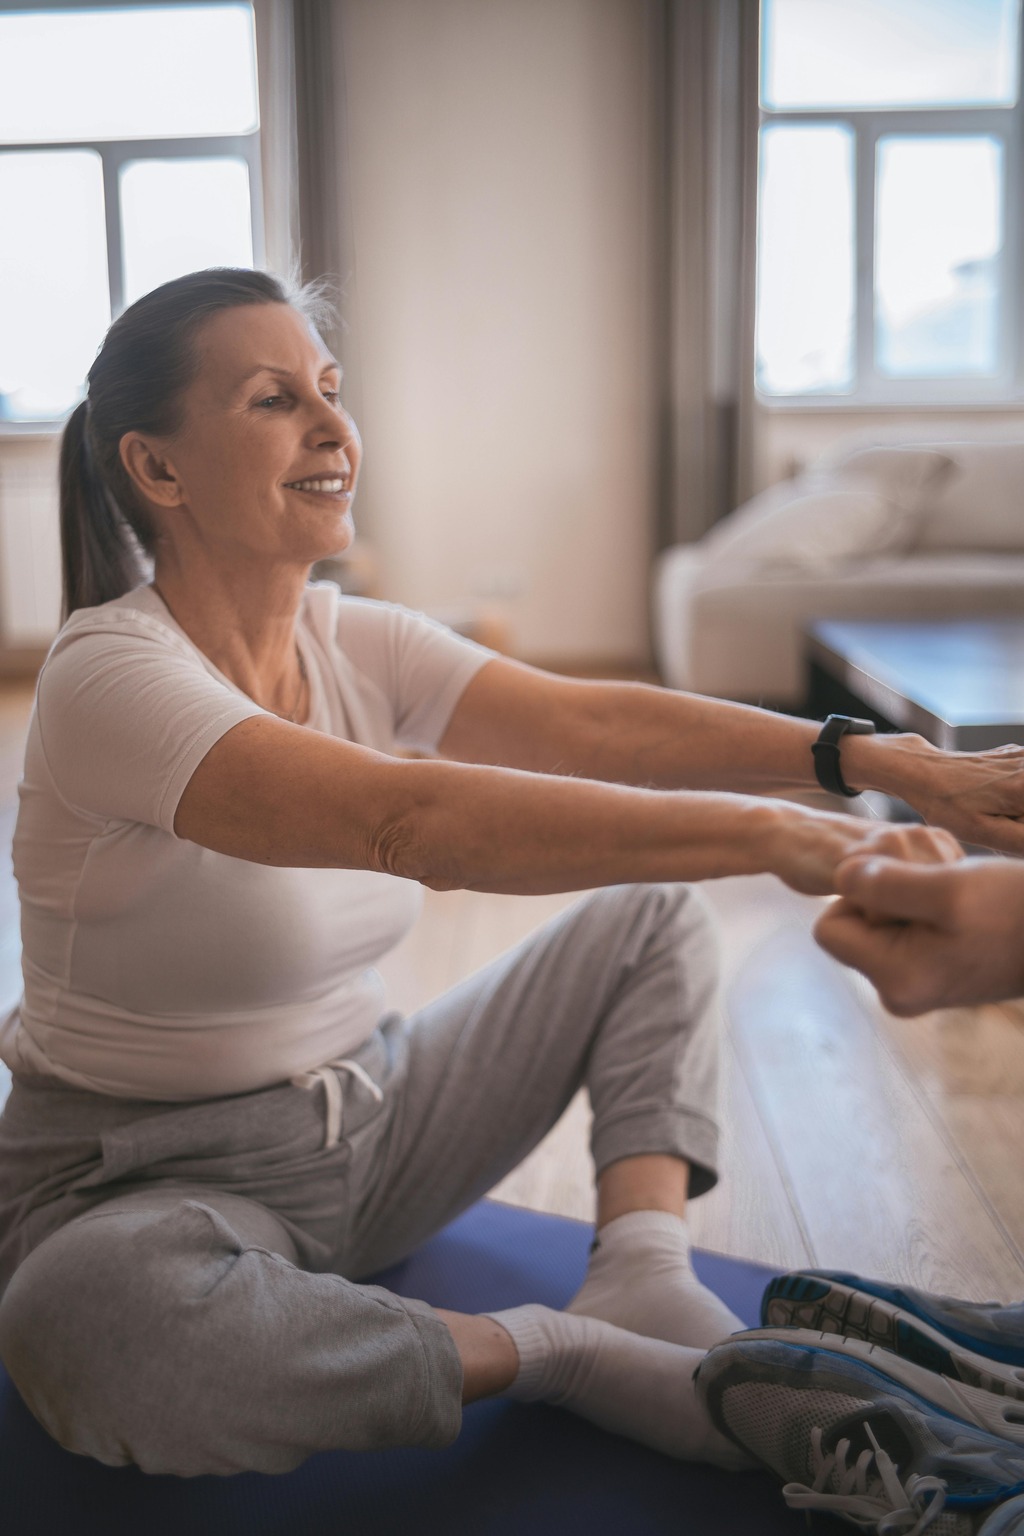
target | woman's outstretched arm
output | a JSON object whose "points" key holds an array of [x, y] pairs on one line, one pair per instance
{"points": [[631, 733], [275, 793]]}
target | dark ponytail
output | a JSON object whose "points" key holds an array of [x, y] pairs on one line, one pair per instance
{"points": [[100, 556], [137, 383]]}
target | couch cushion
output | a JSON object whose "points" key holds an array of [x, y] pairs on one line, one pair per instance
{"points": [[981, 506], [850, 506], [804, 527], [910, 475]]}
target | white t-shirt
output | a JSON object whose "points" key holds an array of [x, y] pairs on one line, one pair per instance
{"points": [[155, 968]]}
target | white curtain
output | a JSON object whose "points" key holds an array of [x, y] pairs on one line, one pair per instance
{"points": [[708, 120], [275, 54]]}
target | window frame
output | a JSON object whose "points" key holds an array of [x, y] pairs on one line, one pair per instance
{"points": [[116, 153], [872, 390]]}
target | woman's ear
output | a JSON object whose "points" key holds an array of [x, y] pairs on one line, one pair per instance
{"points": [[150, 471]]}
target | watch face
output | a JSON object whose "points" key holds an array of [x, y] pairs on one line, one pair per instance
{"points": [[850, 723]]}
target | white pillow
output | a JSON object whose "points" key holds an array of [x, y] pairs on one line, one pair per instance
{"points": [[910, 476], [808, 527]]}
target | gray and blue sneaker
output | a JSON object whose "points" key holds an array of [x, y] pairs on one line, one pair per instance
{"points": [[981, 1343], [857, 1432]]}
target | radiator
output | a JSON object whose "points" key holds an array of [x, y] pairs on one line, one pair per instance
{"points": [[29, 545]]}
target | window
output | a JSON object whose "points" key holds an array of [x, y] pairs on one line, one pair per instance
{"points": [[129, 154], [888, 242]]}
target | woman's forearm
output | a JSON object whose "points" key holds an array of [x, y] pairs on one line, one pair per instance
{"points": [[625, 733], [645, 735], [499, 829], [487, 829], [632, 733]]}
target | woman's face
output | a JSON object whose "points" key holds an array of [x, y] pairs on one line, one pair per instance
{"points": [[266, 459]]}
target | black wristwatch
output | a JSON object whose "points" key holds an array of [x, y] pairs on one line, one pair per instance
{"points": [[826, 752]]}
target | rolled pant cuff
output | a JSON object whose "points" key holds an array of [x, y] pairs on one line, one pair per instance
{"points": [[439, 1419], [684, 1133]]}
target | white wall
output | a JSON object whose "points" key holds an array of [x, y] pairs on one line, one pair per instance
{"points": [[500, 356]]}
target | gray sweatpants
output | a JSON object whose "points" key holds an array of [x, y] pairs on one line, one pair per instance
{"points": [[185, 1287]]}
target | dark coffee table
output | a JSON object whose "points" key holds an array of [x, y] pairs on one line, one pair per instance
{"points": [[957, 682]]}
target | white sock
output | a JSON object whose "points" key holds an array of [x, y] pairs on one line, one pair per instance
{"points": [[640, 1278], [629, 1385]]}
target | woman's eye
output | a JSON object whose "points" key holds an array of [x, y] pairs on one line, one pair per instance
{"points": [[270, 401]]}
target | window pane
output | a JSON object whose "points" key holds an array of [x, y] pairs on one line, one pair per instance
{"points": [[805, 260], [180, 215], [54, 300], [889, 53], [157, 72], [938, 236]]}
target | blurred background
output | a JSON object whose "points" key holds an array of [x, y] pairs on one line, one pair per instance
{"points": [[606, 268]]}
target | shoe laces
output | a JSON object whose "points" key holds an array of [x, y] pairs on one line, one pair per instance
{"points": [[869, 1492]]}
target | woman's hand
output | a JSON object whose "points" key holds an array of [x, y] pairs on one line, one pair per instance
{"points": [[809, 847], [978, 796]]}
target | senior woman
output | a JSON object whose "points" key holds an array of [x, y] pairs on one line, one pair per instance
{"points": [[215, 1131]]}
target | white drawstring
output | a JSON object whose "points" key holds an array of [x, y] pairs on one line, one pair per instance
{"points": [[328, 1075]]}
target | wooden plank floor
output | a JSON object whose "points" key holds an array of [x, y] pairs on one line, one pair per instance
{"points": [[852, 1139]]}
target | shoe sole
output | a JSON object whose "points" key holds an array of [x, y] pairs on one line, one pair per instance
{"points": [[954, 1380], [812, 1283], [1000, 1413], [830, 1307]]}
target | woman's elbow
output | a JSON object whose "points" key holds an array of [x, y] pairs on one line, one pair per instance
{"points": [[406, 846]]}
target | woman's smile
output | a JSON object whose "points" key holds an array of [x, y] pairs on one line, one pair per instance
{"points": [[334, 489]]}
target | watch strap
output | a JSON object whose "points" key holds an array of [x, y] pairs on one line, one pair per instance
{"points": [[826, 752]]}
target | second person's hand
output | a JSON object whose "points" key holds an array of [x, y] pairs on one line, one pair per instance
{"points": [[930, 937]]}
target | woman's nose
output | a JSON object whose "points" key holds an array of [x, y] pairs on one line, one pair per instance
{"points": [[334, 425], [328, 427], [351, 443]]}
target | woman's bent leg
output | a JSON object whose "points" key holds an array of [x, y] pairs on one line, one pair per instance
{"points": [[170, 1328], [619, 992]]}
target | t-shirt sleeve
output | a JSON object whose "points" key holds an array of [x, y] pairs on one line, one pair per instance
{"points": [[421, 666], [126, 712]]}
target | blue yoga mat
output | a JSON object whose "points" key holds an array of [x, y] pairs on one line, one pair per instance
{"points": [[514, 1470]]}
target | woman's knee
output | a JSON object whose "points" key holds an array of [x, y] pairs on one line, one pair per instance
{"points": [[666, 915], [664, 900], [94, 1324]]}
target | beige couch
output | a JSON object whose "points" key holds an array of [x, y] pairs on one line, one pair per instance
{"points": [[895, 530]]}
